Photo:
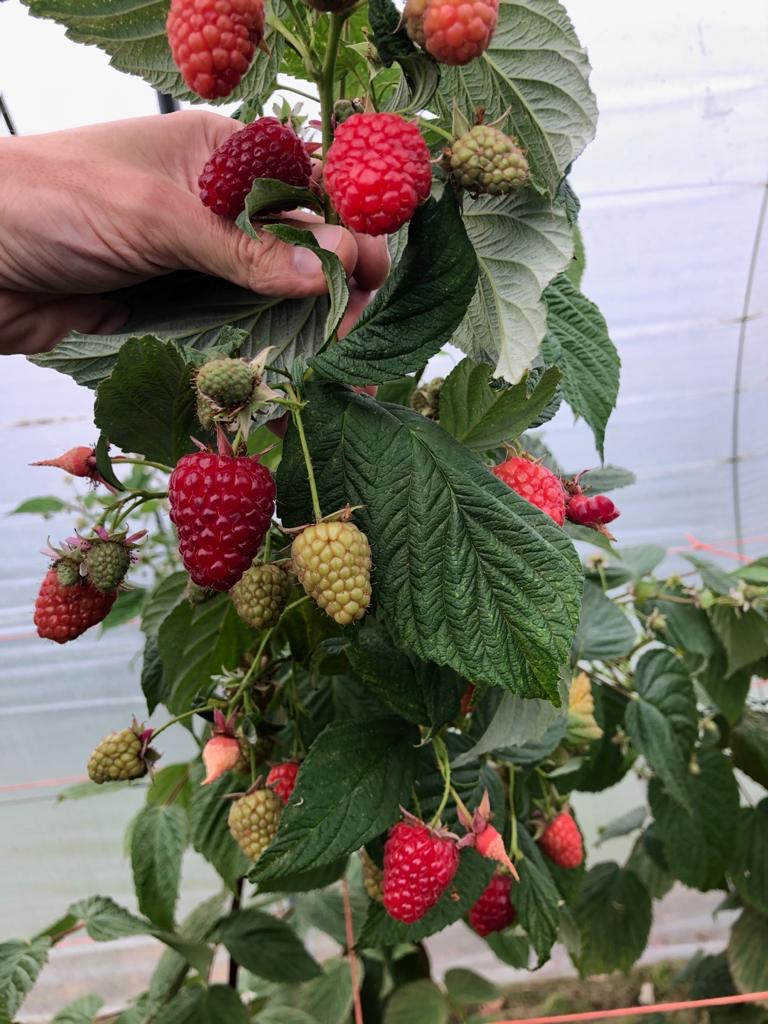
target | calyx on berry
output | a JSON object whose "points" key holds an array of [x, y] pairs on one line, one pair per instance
{"points": [[482, 835]]}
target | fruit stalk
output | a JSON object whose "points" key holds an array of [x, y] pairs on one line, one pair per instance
{"points": [[296, 414], [444, 764]]}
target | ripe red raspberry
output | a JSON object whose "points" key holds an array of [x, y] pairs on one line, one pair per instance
{"points": [[377, 172], [222, 506], [561, 842], [266, 148], [419, 865], [493, 911], [213, 42], [453, 31], [282, 779], [64, 613], [596, 511], [535, 483]]}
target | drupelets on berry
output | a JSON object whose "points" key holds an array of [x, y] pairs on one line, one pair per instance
{"points": [[377, 171], [121, 756], [260, 594], [493, 911], [332, 561], [535, 483], [419, 865], [282, 779], [254, 820], [486, 161], [561, 841], [453, 31], [63, 613]]}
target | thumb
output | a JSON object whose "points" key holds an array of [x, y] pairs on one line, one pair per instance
{"points": [[267, 265]]}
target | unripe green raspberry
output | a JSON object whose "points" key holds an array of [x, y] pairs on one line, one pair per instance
{"points": [[196, 594], [260, 595], [117, 758], [487, 161], [373, 877], [426, 399], [68, 572], [228, 383], [106, 563], [206, 412], [333, 564], [254, 820]]}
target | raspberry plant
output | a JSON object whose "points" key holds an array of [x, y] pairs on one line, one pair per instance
{"points": [[450, 670]]}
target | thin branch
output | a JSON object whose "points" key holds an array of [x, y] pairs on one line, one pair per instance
{"points": [[351, 951]]}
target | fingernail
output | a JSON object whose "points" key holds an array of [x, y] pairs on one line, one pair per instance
{"points": [[328, 236]]}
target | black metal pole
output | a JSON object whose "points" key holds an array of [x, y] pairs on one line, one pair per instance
{"points": [[6, 116], [167, 103]]}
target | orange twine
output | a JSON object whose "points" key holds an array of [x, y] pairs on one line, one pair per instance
{"points": [[638, 1011]]}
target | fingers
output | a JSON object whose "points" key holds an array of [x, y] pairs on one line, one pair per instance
{"points": [[358, 300], [34, 322], [372, 261]]}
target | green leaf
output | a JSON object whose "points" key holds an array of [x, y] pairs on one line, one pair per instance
{"points": [[39, 507], [482, 417], [389, 34], [419, 691], [470, 880], [519, 723], [372, 765], [578, 342], [728, 693], [628, 822], [614, 916], [217, 1004], [307, 881], [647, 862], [196, 643], [134, 36], [267, 194], [467, 988], [162, 600], [606, 478], [743, 634], [746, 952], [20, 964], [419, 306], [209, 829], [328, 999], [170, 785], [81, 1011], [193, 309], [147, 405], [662, 722], [604, 630], [537, 898], [267, 947], [468, 573], [749, 868], [153, 684], [129, 606], [510, 948], [104, 463], [335, 275], [749, 743], [283, 1015], [521, 242], [699, 846], [158, 839], [418, 1002], [534, 76]]}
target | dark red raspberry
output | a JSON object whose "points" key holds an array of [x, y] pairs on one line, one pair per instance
{"points": [[222, 506], [453, 31], [493, 911], [266, 148], [596, 511], [419, 865], [377, 172], [562, 843], [213, 42], [282, 779], [535, 483], [64, 613]]}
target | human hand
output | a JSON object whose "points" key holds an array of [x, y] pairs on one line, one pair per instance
{"points": [[94, 209]]}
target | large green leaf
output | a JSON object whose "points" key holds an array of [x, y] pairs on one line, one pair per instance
{"points": [[604, 630], [698, 846], [418, 1002], [193, 309], [749, 867], [20, 964], [158, 838], [147, 404], [749, 742], [482, 417], [744, 634], [614, 917], [536, 898], [468, 573], [81, 1011], [216, 1004], [517, 724], [521, 242], [662, 720], [267, 947], [419, 306], [134, 36], [469, 989], [163, 599], [746, 952], [372, 766], [197, 642], [534, 75], [328, 999], [578, 342]]}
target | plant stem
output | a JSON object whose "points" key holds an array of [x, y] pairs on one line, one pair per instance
{"points": [[251, 673], [326, 85], [350, 937], [180, 718], [296, 413], [141, 462], [298, 92], [512, 815], [233, 964], [444, 764]]}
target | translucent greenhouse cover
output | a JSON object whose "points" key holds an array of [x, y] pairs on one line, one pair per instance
{"points": [[673, 195]]}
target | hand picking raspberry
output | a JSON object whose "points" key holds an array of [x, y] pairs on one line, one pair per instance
{"points": [[111, 205]]}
